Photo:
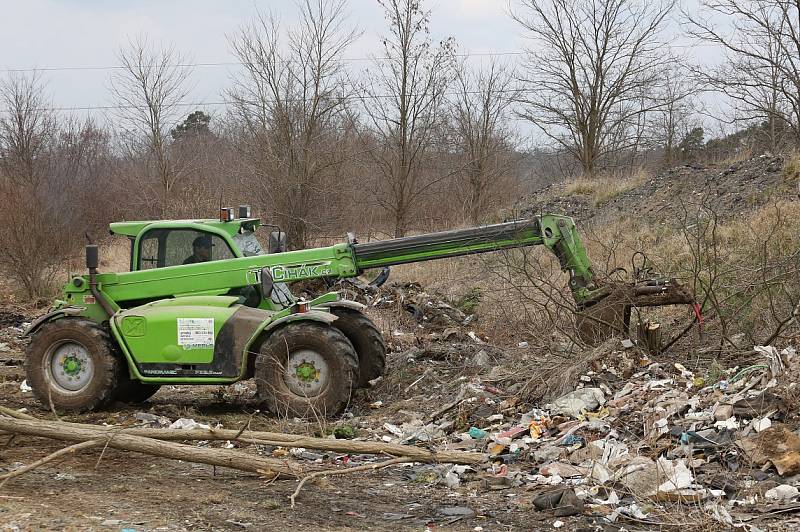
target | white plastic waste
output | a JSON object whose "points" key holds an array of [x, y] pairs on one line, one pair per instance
{"points": [[188, 424], [575, 403]]}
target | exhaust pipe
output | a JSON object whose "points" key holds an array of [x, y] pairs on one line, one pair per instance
{"points": [[92, 262]]}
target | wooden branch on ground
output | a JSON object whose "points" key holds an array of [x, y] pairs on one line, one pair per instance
{"points": [[49, 458], [117, 439], [279, 439], [345, 471], [14, 413]]}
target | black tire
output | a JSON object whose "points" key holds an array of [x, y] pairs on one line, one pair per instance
{"points": [[367, 341], [134, 391], [92, 345], [283, 373]]}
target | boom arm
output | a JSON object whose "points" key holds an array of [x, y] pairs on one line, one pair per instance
{"points": [[558, 233]]}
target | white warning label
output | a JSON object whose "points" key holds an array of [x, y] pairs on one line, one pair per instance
{"points": [[196, 333]]}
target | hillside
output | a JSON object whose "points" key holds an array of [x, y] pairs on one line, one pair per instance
{"points": [[731, 189]]}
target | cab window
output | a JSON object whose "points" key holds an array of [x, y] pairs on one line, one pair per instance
{"points": [[172, 247]]}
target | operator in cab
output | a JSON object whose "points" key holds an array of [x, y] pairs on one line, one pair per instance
{"points": [[201, 250]]}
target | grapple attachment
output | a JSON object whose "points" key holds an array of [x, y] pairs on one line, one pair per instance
{"points": [[608, 314]]}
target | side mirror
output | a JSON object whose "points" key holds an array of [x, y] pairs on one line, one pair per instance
{"points": [[277, 242], [267, 284]]}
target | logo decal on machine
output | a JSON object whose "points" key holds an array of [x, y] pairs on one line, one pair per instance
{"points": [[196, 333], [301, 271]]}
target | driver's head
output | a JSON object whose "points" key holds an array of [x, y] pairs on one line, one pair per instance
{"points": [[201, 247]]}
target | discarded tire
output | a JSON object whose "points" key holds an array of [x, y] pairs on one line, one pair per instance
{"points": [[306, 369], [367, 341], [71, 365]]}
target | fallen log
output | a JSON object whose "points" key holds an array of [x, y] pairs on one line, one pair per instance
{"points": [[323, 444], [279, 439], [117, 439], [14, 413]]}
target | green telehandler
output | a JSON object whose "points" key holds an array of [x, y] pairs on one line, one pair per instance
{"points": [[204, 304]]}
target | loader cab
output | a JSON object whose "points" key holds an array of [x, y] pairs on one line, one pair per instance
{"points": [[164, 243]]}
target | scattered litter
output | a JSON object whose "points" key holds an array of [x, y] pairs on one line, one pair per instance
{"points": [[782, 493], [578, 402], [188, 424], [474, 336], [456, 511], [476, 433], [24, 388], [776, 445], [145, 418], [761, 424], [239, 523], [632, 439], [481, 359]]}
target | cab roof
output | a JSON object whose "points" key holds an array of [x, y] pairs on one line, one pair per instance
{"points": [[134, 228]]}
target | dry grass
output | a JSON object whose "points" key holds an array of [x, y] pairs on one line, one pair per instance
{"points": [[791, 170], [744, 270], [604, 189]]}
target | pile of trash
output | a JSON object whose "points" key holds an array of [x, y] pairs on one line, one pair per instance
{"points": [[12, 347], [628, 446], [12, 325], [428, 311]]}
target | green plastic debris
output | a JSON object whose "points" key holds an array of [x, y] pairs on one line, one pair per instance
{"points": [[476, 433]]}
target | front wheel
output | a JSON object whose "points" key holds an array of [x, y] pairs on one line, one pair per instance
{"points": [[306, 369], [71, 365]]}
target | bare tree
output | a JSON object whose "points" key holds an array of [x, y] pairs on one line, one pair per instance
{"points": [[149, 90], [291, 100], [762, 71], [589, 71], [483, 138], [671, 121], [26, 128], [33, 243], [402, 99]]}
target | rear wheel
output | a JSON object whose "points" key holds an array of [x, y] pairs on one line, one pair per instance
{"points": [[71, 364], [306, 369], [367, 341]]}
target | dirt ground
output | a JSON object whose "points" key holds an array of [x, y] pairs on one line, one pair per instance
{"points": [[115, 490], [130, 491]]}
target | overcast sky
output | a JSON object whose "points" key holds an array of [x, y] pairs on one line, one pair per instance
{"points": [[47, 34]]}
